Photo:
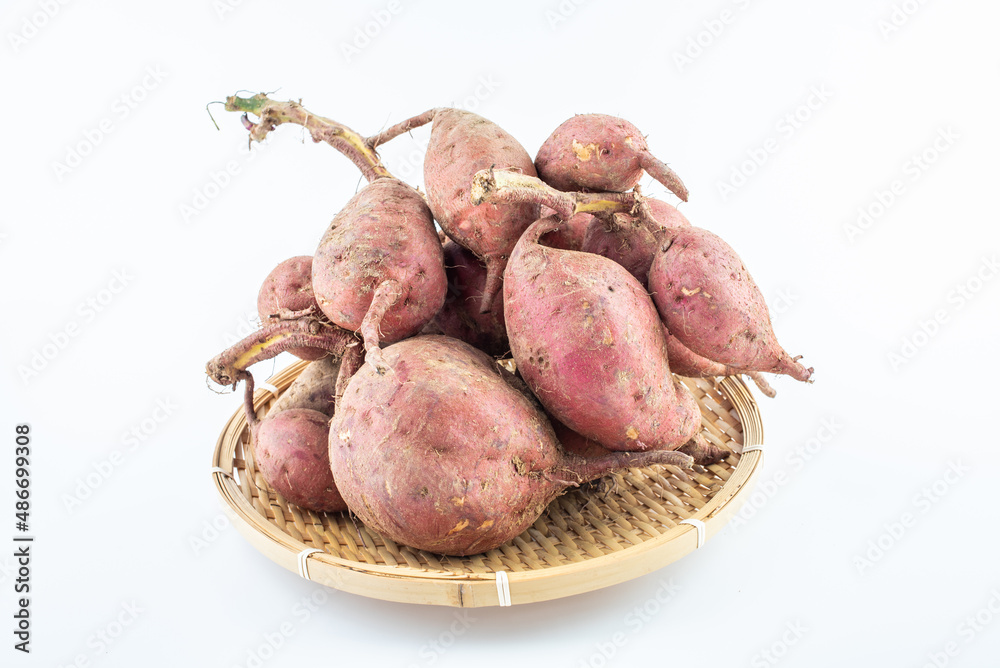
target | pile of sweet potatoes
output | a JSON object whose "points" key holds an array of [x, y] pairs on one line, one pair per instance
{"points": [[415, 306]]}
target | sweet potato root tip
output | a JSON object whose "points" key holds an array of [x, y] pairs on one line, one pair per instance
{"points": [[702, 452], [762, 384]]}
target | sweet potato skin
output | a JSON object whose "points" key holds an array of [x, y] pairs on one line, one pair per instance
{"points": [[291, 451], [290, 443], [632, 242], [625, 240], [591, 152], [588, 342], [289, 288], [667, 215], [441, 453], [601, 153], [385, 232], [314, 388], [571, 233], [711, 304], [461, 144], [460, 316]]}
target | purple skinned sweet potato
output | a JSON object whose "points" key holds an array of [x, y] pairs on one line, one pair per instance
{"points": [[631, 240], [598, 152], [711, 304], [460, 316], [588, 342], [292, 454], [286, 294], [379, 268], [290, 444], [461, 144], [442, 454]]}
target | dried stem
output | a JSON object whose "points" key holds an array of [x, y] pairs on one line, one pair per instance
{"points": [[386, 294], [252, 420], [497, 186], [273, 113], [229, 366], [591, 468], [401, 128]]}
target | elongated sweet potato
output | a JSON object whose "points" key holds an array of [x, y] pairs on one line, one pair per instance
{"points": [[443, 455], [588, 342], [709, 301], [461, 144]]}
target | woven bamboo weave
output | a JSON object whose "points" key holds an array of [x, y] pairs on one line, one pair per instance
{"points": [[602, 533]]}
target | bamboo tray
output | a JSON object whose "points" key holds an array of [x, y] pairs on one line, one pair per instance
{"points": [[601, 534]]}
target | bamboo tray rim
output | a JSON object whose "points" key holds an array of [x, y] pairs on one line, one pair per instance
{"points": [[403, 583]]}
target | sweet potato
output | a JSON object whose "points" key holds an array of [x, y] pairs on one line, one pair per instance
{"points": [[601, 153], [460, 316], [443, 455], [624, 239], [314, 388], [286, 294], [571, 233], [588, 342], [290, 445], [709, 301], [701, 451], [683, 362], [292, 455], [461, 144], [666, 215], [379, 268], [632, 240]]}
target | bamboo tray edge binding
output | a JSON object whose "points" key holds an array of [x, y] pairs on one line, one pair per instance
{"points": [[538, 582]]}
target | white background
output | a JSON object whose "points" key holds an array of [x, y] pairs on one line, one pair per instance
{"points": [[873, 538]]}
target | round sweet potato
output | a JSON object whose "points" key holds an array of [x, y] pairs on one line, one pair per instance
{"points": [[292, 454], [287, 291], [601, 153], [442, 454]]}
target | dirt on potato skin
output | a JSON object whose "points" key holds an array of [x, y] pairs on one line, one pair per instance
{"points": [[384, 233]]}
